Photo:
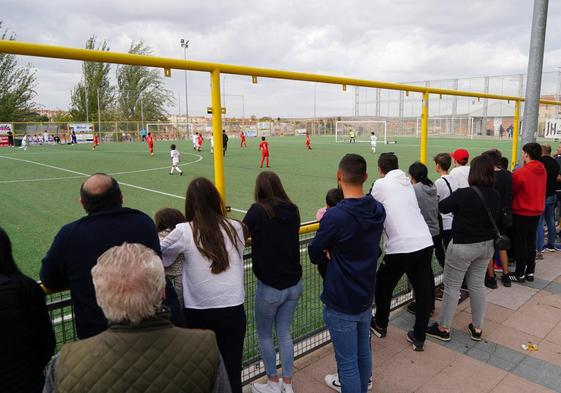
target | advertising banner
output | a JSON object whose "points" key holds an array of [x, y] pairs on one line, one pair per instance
{"points": [[84, 131], [250, 131], [4, 129], [552, 129]]}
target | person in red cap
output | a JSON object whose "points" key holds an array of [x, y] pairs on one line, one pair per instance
{"points": [[461, 169], [528, 204]]}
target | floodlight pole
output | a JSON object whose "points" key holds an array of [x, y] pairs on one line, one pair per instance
{"points": [[315, 108], [185, 46], [98, 113], [535, 67]]}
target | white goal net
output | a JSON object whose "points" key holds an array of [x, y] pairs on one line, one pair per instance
{"points": [[361, 129], [170, 131], [447, 126]]}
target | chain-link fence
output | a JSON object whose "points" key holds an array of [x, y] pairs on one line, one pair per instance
{"points": [[308, 329]]}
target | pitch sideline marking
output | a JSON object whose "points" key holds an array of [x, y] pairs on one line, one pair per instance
{"points": [[122, 183]]}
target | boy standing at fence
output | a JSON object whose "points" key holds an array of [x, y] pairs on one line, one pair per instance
{"points": [[349, 237], [264, 147]]}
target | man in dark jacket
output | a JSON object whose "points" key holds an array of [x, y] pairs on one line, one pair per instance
{"points": [[224, 142], [77, 246], [548, 216], [141, 351], [528, 203], [349, 237]]}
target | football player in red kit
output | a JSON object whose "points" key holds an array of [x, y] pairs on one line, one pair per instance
{"points": [[308, 142], [150, 142], [242, 139], [264, 147], [95, 141]]}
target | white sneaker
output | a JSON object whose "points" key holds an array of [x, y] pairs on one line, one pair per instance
{"points": [[286, 388], [332, 380], [269, 387]]}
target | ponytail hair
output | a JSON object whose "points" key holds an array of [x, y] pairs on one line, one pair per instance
{"points": [[419, 173]]}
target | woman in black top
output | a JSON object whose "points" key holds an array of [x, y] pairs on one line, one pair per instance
{"points": [[27, 341], [471, 247], [503, 184], [274, 223]]}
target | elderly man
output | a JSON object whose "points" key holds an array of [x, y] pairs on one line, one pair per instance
{"points": [[77, 246], [141, 351]]}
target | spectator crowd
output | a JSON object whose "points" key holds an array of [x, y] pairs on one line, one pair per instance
{"points": [[159, 304]]}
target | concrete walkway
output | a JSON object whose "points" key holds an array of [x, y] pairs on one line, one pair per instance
{"points": [[525, 313]]}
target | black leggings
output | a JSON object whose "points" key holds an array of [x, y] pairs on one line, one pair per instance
{"points": [[228, 324]]}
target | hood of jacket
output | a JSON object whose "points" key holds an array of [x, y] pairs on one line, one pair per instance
{"points": [[428, 191], [366, 211], [285, 212], [398, 176], [536, 167]]}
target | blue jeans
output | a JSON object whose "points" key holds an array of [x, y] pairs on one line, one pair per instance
{"points": [[350, 335], [276, 307], [549, 217]]}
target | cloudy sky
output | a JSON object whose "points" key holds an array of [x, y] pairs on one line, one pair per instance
{"points": [[391, 40]]}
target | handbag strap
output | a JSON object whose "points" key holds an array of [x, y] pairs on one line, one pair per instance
{"points": [[480, 195], [448, 184]]}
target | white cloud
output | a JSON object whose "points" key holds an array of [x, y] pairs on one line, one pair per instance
{"points": [[399, 40]]}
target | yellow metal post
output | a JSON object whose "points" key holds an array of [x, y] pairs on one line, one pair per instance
{"points": [[515, 132], [424, 127], [217, 133]]}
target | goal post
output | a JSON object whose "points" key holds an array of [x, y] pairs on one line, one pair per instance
{"points": [[362, 130]]}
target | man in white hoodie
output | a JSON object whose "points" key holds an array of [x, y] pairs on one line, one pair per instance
{"points": [[408, 249]]}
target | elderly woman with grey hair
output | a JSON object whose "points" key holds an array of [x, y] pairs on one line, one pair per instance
{"points": [[130, 284]]}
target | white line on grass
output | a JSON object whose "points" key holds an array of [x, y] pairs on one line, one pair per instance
{"points": [[122, 183], [199, 158]]}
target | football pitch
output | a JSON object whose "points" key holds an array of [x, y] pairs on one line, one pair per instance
{"points": [[39, 188]]}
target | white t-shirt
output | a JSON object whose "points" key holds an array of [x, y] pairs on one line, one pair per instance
{"points": [[443, 192], [373, 140], [194, 139], [405, 229], [461, 174], [24, 140], [201, 288], [174, 156]]}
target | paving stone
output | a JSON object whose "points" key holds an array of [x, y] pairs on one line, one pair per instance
{"points": [[554, 287]]}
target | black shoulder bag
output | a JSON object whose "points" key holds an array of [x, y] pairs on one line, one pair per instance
{"points": [[502, 242]]}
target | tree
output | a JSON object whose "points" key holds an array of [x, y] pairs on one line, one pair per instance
{"points": [[17, 87], [94, 85], [141, 91]]}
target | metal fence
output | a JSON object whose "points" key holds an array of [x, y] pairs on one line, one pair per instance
{"points": [[308, 329]]}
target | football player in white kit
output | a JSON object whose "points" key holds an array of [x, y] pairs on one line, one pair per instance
{"points": [[373, 141], [174, 153], [24, 143]]}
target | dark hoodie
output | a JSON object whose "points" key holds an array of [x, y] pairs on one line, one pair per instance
{"points": [[351, 232], [275, 244]]}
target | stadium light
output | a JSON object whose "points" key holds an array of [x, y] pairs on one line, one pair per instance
{"points": [[185, 45]]}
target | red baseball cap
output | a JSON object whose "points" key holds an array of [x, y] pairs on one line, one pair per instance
{"points": [[460, 155]]}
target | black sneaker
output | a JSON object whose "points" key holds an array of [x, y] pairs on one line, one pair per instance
{"points": [[417, 345], [491, 282], [550, 248], [435, 332], [515, 278], [530, 277], [506, 280], [378, 331], [474, 335]]}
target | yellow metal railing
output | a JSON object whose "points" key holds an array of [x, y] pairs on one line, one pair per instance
{"points": [[215, 69]]}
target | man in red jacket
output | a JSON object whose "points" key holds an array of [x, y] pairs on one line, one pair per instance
{"points": [[528, 203]]}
